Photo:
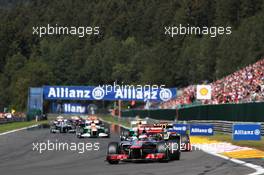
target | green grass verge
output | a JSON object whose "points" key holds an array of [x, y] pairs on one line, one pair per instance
{"points": [[16, 125], [115, 120], [228, 138]]}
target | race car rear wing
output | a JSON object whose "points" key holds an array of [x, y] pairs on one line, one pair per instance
{"points": [[138, 122], [150, 129]]}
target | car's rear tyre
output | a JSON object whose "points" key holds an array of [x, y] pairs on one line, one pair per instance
{"points": [[124, 135], [79, 136], [113, 162], [175, 149], [113, 148], [163, 148]]}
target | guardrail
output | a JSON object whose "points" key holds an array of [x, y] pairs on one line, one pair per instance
{"points": [[222, 126], [14, 119]]}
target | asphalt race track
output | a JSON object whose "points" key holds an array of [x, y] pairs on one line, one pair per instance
{"points": [[17, 157]]}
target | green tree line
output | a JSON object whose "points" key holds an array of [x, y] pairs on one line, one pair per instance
{"points": [[131, 47]]}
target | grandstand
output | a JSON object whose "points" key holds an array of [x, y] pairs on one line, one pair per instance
{"points": [[245, 85]]}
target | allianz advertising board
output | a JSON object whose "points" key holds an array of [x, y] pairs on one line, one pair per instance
{"points": [[180, 128], [102, 93], [202, 129], [246, 132]]}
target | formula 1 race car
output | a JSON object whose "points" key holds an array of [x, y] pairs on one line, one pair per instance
{"points": [[62, 125], [134, 125], [185, 136], [92, 128], [153, 145], [186, 142]]}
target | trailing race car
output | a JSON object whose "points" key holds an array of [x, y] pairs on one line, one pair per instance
{"points": [[152, 145], [186, 142], [185, 136], [92, 128], [134, 125]]}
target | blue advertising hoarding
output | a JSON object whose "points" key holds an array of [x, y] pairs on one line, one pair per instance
{"points": [[35, 99], [202, 129], [246, 132], [106, 93]]}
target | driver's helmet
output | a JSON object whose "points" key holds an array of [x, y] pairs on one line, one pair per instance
{"points": [[166, 135], [134, 137]]}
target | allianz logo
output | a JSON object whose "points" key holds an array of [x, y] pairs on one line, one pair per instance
{"points": [[199, 130], [183, 128], [247, 132], [66, 93], [74, 108]]}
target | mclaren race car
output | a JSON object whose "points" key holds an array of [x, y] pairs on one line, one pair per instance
{"points": [[152, 145]]}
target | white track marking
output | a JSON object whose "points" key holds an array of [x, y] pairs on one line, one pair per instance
{"points": [[20, 129], [259, 169]]}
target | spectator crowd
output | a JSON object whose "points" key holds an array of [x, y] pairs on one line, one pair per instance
{"points": [[245, 85]]}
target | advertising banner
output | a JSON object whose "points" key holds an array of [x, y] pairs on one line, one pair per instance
{"points": [[70, 108], [107, 93], [202, 129], [180, 128], [246, 132]]}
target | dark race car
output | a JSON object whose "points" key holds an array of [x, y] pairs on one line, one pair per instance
{"points": [[186, 142], [185, 137], [150, 146], [62, 125]]}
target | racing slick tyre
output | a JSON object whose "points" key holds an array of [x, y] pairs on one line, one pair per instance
{"points": [[163, 148], [79, 136], [175, 150], [113, 148], [107, 131], [185, 143], [124, 135], [61, 130], [51, 131], [79, 132]]}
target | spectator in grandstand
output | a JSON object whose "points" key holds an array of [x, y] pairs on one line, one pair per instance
{"points": [[245, 85]]}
